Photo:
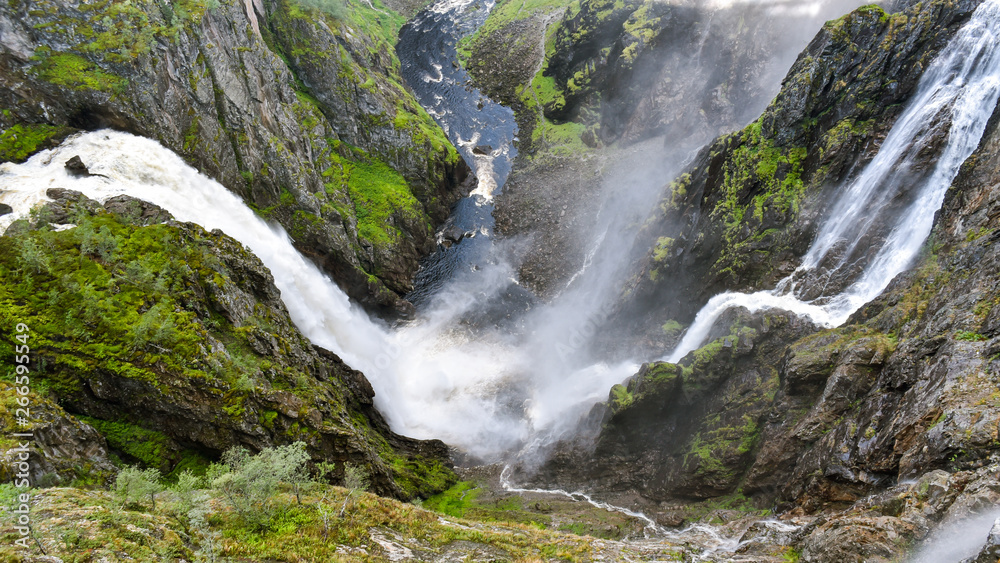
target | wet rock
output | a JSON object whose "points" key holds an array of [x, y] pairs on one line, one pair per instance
{"points": [[482, 150], [5, 209], [857, 540], [846, 75], [136, 211], [452, 235], [75, 167], [66, 206]]}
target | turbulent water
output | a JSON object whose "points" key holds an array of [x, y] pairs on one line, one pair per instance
{"points": [[956, 96]]}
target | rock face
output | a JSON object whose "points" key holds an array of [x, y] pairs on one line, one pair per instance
{"points": [[689, 431], [299, 111], [173, 343], [596, 73], [61, 448]]}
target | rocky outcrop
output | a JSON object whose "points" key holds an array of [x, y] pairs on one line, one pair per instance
{"points": [[299, 111], [688, 431], [174, 344], [60, 448]]}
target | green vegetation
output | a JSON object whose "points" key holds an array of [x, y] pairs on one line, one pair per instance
{"points": [[105, 296], [420, 477], [119, 31], [455, 501], [135, 486], [621, 398], [379, 192], [736, 501], [358, 183], [73, 71], [249, 483], [791, 555], [149, 447], [757, 176], [196, 523], [968, 336], [672, 328], [333, 8], [18, 142], [510, 11]]}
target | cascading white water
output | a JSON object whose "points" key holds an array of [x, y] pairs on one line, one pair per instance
{"points": [[959, 91], [485, 395]]}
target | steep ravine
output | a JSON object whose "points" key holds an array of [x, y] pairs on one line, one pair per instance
{"points": [[174, 343], [773, 410]]}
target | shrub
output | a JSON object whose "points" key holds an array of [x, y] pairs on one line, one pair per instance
{"points": [[250, 482], [134, 485]]}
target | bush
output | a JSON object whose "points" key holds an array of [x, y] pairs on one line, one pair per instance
{"points": [[185, 492], [134, 485], [250, 482]]}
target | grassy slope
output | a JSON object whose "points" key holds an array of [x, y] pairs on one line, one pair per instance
{"points": [[85, 525]]}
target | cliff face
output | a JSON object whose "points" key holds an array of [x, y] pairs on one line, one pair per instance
{"points": [[301, 111], [173, 343]]}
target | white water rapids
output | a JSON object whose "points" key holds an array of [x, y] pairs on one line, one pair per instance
{"points": [[957, 94]]}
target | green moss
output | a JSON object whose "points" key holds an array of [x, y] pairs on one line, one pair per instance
{"points": [[620, 397], [757, 176], [672, 328], [662, 249], [420, 477], [510, 11], [18, 142], [968, 336], [379, 193], [149, 447], [75, 72]]}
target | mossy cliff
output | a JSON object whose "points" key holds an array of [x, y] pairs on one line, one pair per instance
{"points": [[173, 343], [744, 212], [297, 107]]}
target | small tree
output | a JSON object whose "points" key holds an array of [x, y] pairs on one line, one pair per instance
{"points": [[355, 480], [209, 540], [186, 493], [134, 485]]}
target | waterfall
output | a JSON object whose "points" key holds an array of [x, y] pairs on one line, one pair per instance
{"points": [[957, 94], [486, 394]]}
